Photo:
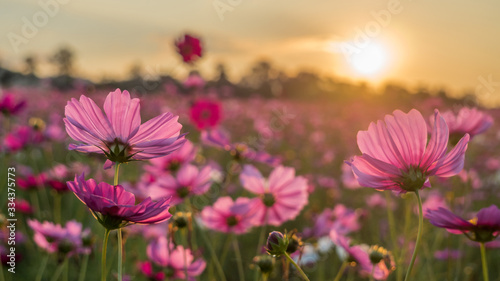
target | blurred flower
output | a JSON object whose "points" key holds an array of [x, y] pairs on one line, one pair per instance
{"points": [[194, 80], [395, 155], [172, 162], [240, 151], [448, 254], [434, 201], [8, 106], [70, 239], [205, 114], [265, 263], [19, 138], [114, 207], [484, 227], [32, 181], [188, 181], [468, 121], [344, 220], [227, 215], [189, 47], [172, 260], [23, 206], [119, 135], [281, 197]]}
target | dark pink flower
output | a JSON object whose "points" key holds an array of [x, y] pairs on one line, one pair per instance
{"points": [[396, 155], [114, 207], [189, 47], [468, 121], [23, 206], [119, 134], [281, 197], [18, 138], [484, 227], [188, 181], [205, 114], [8, 105], [31, 182], [227, 215], [174, 260]]}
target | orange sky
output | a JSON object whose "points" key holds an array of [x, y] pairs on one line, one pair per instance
{"points": [[452, 44]]}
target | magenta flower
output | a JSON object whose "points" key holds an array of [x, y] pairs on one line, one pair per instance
{"points": [[8, 106], [114, 207], [396, 155], [19, 138], [32, 181], [71, 239], [189, 47], [174, 261], [119, 134], [484, 227], [205, 114], [188, 181], [468, 121], [172, 162], [227, 215], [281, 197]]}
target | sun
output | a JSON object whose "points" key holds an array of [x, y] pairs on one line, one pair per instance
{"points": [[369, 60]]}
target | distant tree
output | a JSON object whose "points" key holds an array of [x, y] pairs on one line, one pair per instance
{"points": [[63, 59], [135, 71], [30, 64]]}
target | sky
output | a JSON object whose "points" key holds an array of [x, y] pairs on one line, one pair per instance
{"points": [[451, 44]]}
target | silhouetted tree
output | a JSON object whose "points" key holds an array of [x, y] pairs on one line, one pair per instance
{"points": [[63, 60], [30, 64]]}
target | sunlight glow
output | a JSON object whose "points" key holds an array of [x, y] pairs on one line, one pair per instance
{"points": [[370, 60]]}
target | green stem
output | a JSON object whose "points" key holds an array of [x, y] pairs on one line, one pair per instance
{"points": [[117, 169], [83, 270], [120, 254], [225, 249], [392, 227], [59, 269], [238, 259], [341, 271], [419, 235], [373, 271], [304, 276], [262, 236], [103, 259], [484, 262], [57, 207], [39, 275], [215, 260]]}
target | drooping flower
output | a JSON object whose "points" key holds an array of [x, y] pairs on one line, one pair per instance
{"points": [[396, 155], [227, 215], [483, 228], [119, 134], [205, 114], [189, 47], [240, 151], [188, 181], [467, 121], [114, 207], [70, 239], [172, 261], [281, 197]]}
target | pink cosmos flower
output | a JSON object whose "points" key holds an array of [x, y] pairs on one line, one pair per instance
{"points": [[359, 255], [172, 162], [468, 121], [396, 156], [227, 215], [188, 181], [119, 134], [32, 181], [114, 207], [205, 114], [172, 260], [484, 227], [281, 197], [194, 80], [189, 47], [70, 239], [239, 151], [24, 206], [8, 106], [18, 138], [434, 201], [340, 218]]}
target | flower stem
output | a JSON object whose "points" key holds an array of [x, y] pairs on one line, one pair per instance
{"points": [[419, 235], [120, 254], [103, 259], [304, 276], [57, 207], [215, 260], [42, 268], [484, 262], [392, 227], [341, 271], [238, 258], [117, 169], [83, 270], [59, 269]]}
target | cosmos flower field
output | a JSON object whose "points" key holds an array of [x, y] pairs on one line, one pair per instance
{"points": [[112, 184]]}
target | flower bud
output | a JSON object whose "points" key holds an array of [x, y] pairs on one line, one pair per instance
{"points": [[294, 242], [277, 243], [265, 263]]}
